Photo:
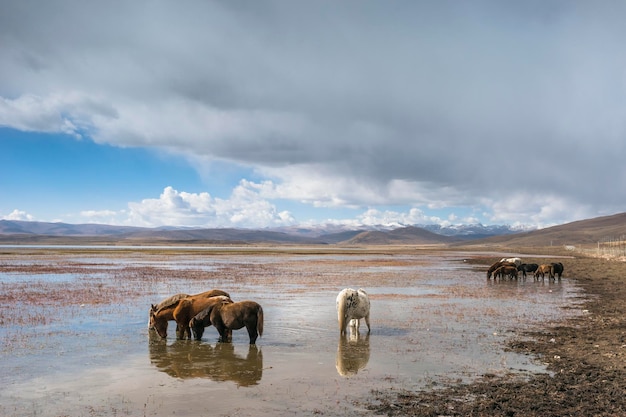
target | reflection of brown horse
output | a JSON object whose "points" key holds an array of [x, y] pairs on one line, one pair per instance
{"points": [[201, 360], [182, 312], [227, 317], [353, 353]]}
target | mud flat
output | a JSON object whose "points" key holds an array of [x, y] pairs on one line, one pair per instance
{"points": [[584, 354], [74, 337]]}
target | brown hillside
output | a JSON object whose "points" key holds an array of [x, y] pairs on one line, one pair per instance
{"points": [[404, 236], [579, 233]]}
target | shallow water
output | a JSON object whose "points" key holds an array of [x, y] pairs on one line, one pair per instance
{"points": [[433, 318]]}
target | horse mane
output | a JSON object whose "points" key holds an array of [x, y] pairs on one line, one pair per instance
{"points": [[170, 302]]}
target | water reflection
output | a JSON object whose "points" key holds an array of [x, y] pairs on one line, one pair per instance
{"points": [[353, 353], [189, 359]]}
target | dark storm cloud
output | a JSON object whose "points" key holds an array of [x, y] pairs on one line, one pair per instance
{"points": [[485, 98]]}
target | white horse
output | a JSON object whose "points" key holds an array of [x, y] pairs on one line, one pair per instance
{"points": [[516, 261], [352, 306]]}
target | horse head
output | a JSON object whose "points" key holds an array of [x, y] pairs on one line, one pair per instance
{"points": [[160, 325]]}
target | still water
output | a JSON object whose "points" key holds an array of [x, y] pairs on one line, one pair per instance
{"points": [[81, 345]]}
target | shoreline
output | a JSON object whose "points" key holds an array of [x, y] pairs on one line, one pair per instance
{"points": [[585, 357]]}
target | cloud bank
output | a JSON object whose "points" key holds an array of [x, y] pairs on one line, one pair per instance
{"points": [[514, 110]]}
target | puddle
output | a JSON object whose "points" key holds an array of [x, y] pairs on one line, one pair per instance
{"points": [[432, 318]]}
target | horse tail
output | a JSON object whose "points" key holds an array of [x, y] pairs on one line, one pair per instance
{"points": [[259, 321], [341, 312]]}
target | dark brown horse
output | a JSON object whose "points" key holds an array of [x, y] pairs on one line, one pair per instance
{"points": [[505, 270], [174, 311], [227, 317], [525, 268], [202, 320], [557, 269]]}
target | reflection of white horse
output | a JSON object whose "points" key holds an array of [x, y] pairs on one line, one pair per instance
{"points": [[353, 354], [352, 306]]}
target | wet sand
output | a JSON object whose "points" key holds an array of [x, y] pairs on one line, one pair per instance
{"points": [[75, 340]]}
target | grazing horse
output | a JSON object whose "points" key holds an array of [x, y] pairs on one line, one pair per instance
{"points": [[201, 320], [352, 306], [497, 265], [165, 303], [227, 317], [525, 268], [557, 269], [505, 270], [516, 261], [169, 304], [543, 270], [183, 311]]}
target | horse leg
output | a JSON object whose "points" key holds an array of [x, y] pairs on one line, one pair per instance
{"points": [[367, 321], [223, 334], [180, 331], [252, 332]]}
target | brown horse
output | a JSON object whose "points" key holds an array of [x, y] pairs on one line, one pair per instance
{"points": [[543, 270], [497, 265], [505, 270], [227, 317], [201, 320], [164, 314], [165, 303]]}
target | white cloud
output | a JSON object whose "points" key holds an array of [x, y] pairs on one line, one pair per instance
{"points": [[18, 215], [244, 209]]}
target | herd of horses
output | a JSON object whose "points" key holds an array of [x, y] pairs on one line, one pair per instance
{"points": [[513, 267], [193, 313]]}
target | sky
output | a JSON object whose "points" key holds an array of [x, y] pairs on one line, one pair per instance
{"points": [[257, 114]]}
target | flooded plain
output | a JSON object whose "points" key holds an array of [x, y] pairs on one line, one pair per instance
{"points": [[75, 341]]}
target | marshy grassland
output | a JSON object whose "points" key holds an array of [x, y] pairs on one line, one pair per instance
{"points": [[92, 302]]}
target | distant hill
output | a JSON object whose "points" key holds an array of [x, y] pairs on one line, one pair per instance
{"points": [[22, 232], [583, 232], [402, 236]]}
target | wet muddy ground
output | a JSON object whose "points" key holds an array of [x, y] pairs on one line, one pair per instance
{"points": [[75, 342]]}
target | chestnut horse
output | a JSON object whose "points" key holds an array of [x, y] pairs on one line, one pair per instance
{"points": [[174, 310], [543, 270], [165, 303], [227, 317]]}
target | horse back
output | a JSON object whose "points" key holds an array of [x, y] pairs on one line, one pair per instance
{"points": [[239, 313]]}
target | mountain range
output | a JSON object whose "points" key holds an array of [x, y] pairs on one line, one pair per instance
{"points": [[575, 233]]}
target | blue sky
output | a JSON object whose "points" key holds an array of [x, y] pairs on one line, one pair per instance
{"points": [[280, 113]]}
